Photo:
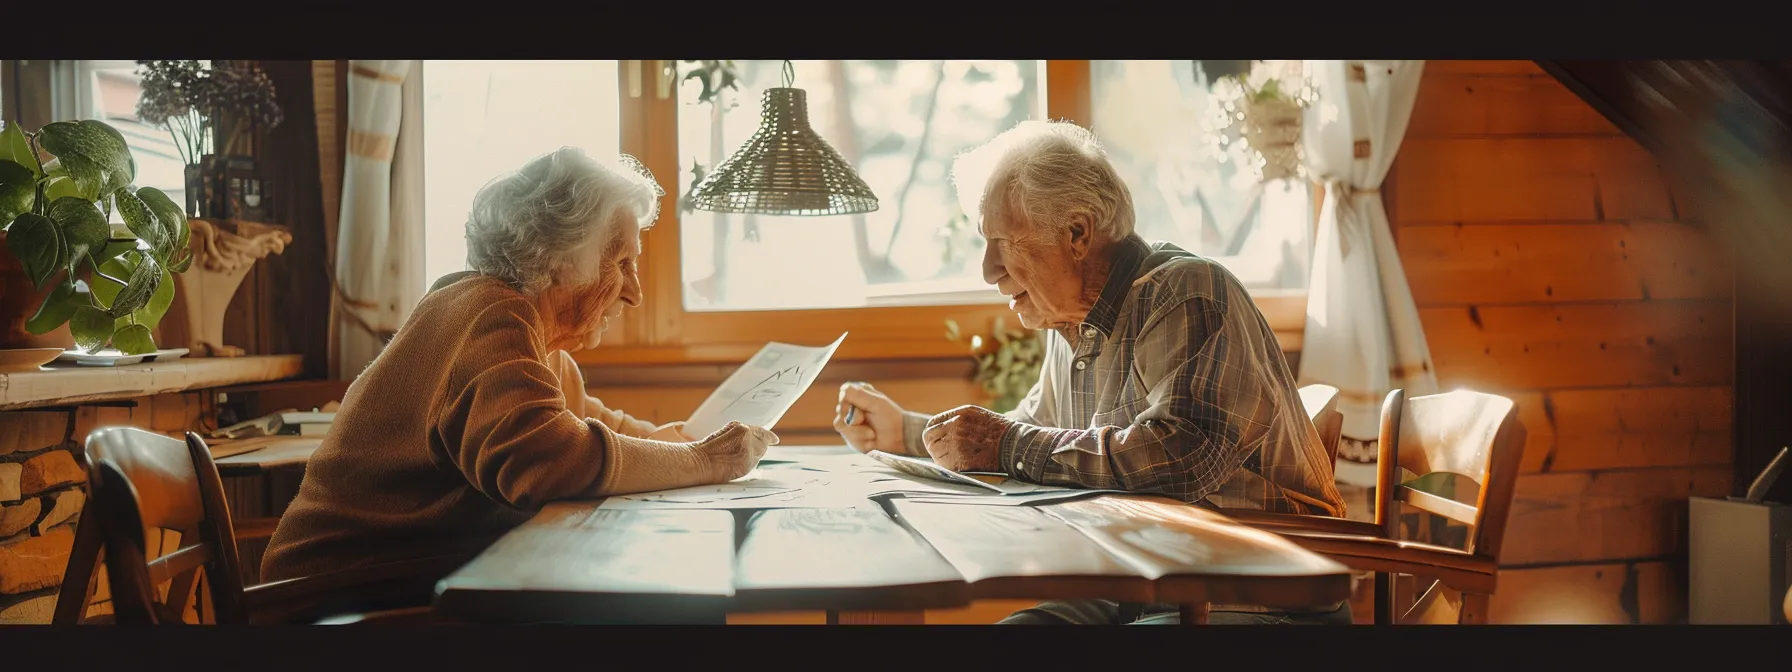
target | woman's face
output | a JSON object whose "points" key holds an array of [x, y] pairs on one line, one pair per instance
{"points": [[582, 303]]}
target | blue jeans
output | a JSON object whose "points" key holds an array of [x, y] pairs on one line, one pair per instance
{"points": [[1103, 612]]}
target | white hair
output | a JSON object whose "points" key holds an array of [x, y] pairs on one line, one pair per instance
{"points": [[524, 224], [1051, 171]]}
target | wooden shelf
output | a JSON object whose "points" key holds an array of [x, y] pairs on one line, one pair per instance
{"points": [[71, 384]]}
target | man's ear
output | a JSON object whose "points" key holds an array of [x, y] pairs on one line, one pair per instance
{"points": [[1080, 234]]}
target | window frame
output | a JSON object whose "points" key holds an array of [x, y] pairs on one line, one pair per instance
{"points": [[662, 332]]}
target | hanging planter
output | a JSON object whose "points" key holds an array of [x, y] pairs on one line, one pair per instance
{"points": [[1259, 111]]}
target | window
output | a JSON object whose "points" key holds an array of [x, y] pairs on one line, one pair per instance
{"points": [[1185, 189], [900, 124], [481, 118], [108, 91]]}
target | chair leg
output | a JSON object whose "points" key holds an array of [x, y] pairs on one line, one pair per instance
{"points": [[1195, 614], [1474, 609], [1384, 598]]}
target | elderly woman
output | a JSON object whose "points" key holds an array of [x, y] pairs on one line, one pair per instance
{"points": [[1160, 375], [474, 416]]}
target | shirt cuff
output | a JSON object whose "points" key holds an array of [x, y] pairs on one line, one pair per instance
{"points": [[913, 426], [1026, 449]]}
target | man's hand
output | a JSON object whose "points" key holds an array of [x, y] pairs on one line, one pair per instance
{"points": [[876, 422], [967, 438]]}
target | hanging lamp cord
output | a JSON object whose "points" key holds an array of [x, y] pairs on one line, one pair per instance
{"points": [[789, 74]]}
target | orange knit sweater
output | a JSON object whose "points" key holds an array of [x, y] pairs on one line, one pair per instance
{"points": [[461, 429]]}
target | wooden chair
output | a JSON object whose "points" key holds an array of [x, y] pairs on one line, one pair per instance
{"points": [[1470, 434], [1321, 402], [144, 483]]}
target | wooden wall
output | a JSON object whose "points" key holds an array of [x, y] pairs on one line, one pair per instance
{"points": [[1550, 261]]}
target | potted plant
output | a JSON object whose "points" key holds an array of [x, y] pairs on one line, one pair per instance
{"points": [[109, 284], [194, 100], [1008, 362]]}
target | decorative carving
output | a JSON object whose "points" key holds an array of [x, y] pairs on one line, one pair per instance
{"points": [[223, 253]]}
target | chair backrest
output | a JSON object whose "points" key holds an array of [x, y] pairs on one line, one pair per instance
{"points": [[1471, 434], [1321, 402], [160, 483]]}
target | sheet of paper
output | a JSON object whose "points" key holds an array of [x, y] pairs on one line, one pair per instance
{"points": [[763, 389], [1027, 499], [927, 469], [779, 486]]}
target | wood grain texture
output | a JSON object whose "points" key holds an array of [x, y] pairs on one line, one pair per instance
{"points": [[1534, 347], [1498, 179], [1455, 102], [1195, 555], [1020, 552], [72, 384], [577, 562], [1608, 515], [840, 559], [1648, 592], [1553, 262], [1603, 429]]}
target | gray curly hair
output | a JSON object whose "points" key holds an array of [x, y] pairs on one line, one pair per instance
{"points": [[1051, 171], [524, 224]]}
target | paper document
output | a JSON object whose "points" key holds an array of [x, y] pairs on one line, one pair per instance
{"points": [[763, 389], [928, 469]]}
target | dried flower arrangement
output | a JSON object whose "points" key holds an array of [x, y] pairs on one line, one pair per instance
{"points": [[190, 97]]}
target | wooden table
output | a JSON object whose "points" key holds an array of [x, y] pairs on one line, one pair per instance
{"points": [[577, 562]]}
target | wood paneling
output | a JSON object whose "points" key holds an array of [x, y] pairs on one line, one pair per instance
{"points": [[1650, 592], [1552, 263], [1595, 515], [1542, 262], [1544, 345]]}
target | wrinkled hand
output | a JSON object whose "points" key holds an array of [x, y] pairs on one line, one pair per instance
{"points": [[733, 450], [671, 432], [967, 438], [877, 425]]}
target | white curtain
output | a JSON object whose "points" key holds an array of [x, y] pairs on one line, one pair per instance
{"points": [[1363, 334], [379, 241]]}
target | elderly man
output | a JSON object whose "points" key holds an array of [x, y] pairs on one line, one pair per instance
{"points": [[474, 416], [1160, 375]]}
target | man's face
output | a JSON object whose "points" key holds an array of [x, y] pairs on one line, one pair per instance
{"points": [[1040, 270]]}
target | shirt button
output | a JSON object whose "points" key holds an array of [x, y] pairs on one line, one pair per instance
{"points": [[1089, 332], [1017, 467], [1082, 364]]}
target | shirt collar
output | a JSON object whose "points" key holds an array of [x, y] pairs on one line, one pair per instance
{"points": [[1129, 254]]}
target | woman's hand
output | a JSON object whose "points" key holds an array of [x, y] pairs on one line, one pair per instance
{"points": [[733, 450]]}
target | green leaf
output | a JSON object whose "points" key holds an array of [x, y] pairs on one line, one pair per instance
{"points": [[18, 190], [146, 278], [151, 314], [37, 243], [59, 306], [186, 260], [143, 222], [94, 153], [114, 249], [91, 327], [951, 330], [121, 267], [84, 229], [134, 340], [170, 214], [60, 186], [15, 147]]}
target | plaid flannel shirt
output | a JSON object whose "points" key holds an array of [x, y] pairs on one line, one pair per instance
{"points": [[1174, 384]]}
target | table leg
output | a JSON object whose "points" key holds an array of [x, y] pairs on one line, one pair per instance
{"points": [[1195, 614]]}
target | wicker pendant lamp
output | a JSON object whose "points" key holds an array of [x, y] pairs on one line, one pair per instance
{"points": [[785, 168]]}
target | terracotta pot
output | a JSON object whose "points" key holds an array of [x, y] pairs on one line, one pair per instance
{"points": [[19, 301]]}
